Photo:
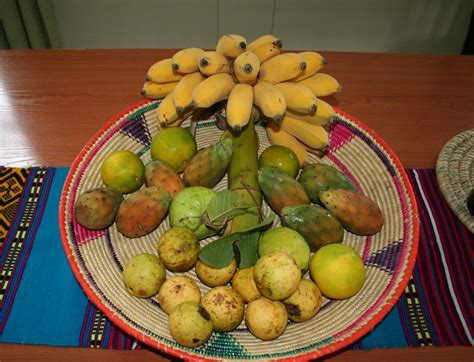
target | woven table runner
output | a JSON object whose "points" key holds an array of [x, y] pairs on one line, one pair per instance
{"points": [[41, 302]]}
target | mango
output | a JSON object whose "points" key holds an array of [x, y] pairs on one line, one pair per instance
{"points": [[320, 177], [96, 209], [356, 212], [317, 225], [159, 173], [280, 189], [209, 165], [142, 212]]}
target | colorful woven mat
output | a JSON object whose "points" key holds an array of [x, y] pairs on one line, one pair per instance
{"points": [[41, 302]]}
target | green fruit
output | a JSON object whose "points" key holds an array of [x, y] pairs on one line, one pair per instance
{"points": [[314, 223], [123, 171], [280, 157], [178, 248], [338, 271], [188, 206], [320, 177], [143, 275], [190, 324], [174, 145], [287, 240]]}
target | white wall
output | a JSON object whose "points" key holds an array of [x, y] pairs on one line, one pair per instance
{"points": [[417, 26]]}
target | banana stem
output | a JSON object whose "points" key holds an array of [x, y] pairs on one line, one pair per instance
{"points": [[242, 174]]}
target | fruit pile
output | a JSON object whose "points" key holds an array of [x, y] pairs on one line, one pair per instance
{"points": [[284, 86], [254, 271]]}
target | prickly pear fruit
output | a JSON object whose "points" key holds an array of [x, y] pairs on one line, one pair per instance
{"points": [[96, 209], [320, 177], [209, 165], [357, 213], [317, 225], [159, 173], [142, 211], [280, 189]]}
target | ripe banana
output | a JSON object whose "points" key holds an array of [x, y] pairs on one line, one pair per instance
{"points": [[246, 67], [212, 62], [311, 135], [322, 84], [183, 93], [278, 136], [177, 122], [162, 72], [186, 60], [270, 100], [314, 62], [231, 45], [166, 111], [282, 67], [157, 90], [265, 47], [213, 89], [298, 98], [323, 115], [269, 38], [239, 106]]}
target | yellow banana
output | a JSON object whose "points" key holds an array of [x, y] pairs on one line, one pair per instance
{"points": [[246, 67], [166, 111], [212, 62], [212, 90], [231, 45], [269, 38], [177, 122], [298, 98], [311, 135], [278, 136], [281, 67], [162, 72], [314, 62], [265, 47], [186, 60], [322, 84], [323, 115], [157, 90], [270, 100], [183, 93], [239, 106]]}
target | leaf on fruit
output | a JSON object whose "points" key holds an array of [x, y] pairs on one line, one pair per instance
{"points": [[221, 209], [248, 249], [219, 253]]}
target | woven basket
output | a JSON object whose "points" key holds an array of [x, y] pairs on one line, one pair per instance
{"points": [[97, 257]]}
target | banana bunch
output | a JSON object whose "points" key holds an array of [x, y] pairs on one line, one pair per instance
{"points": [[285, 87]]}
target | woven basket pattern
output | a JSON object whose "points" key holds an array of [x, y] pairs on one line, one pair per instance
{"points": [[97, 257]]}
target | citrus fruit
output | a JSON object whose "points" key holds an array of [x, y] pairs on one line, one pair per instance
{"points": [[338, 271], [123, 171], [287, 240], [281, 157], [174, 145]]}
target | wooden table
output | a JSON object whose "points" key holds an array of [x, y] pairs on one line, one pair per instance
{"points": [[53, 101]]}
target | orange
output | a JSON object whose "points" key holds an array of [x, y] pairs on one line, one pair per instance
{"points": [[281, 157], [174, 145], [123, 171], [338, 271]]}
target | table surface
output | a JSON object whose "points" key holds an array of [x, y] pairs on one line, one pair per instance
{"points": [[53, 101]]}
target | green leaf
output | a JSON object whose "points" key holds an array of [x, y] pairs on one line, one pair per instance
{"points": [[222, 208], [248, 249], [219, 253]]}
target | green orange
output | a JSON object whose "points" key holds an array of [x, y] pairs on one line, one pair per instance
{"points": [[174, 145], [123, 171], [281, 157], [338, 271]]}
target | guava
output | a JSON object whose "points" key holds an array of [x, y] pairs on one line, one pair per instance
{"points": [[226, 308], [187, 208], [177, 290], [266, 319], [190, 324], [143, 275]]}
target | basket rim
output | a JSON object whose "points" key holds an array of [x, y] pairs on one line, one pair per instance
{"points": [[317, 353]]}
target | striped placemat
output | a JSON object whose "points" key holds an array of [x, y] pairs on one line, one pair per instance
{"points": [[42, 303]]}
